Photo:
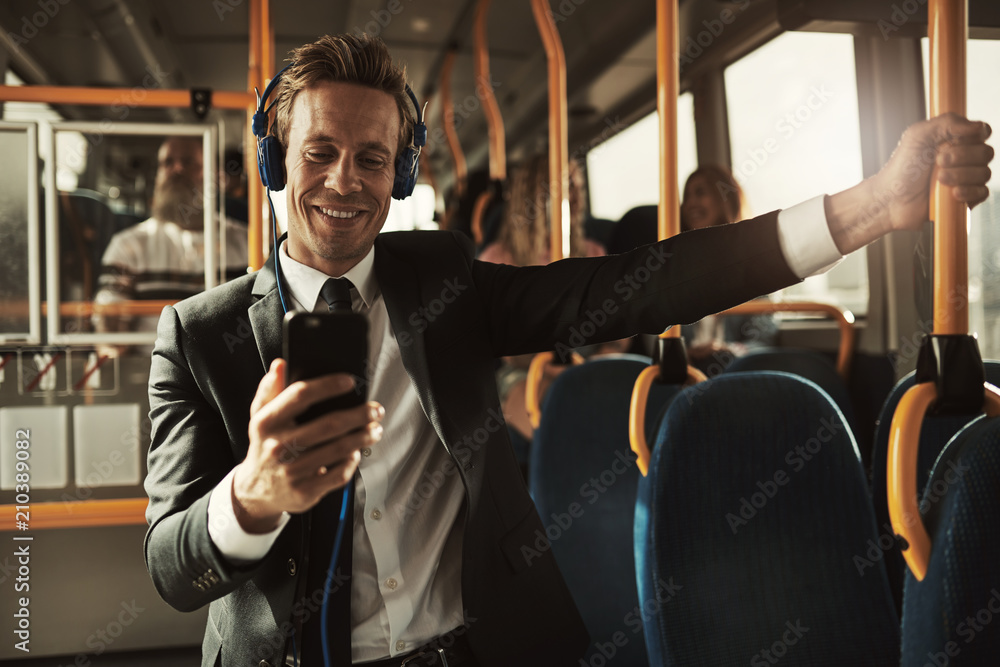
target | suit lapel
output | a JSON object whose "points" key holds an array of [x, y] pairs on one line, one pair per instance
{"points": [[266, 314], [400, 285]]}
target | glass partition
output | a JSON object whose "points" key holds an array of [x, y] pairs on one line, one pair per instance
{"points": [[131, 225], [20, 317]]}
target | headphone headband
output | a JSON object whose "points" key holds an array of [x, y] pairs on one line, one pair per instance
{"points": [[271, 156]]}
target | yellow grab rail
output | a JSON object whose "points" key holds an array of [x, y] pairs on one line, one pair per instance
{"points": [[533, 385], [80, 514], [258, 72], [448, 118], [668, 211], [494, 120], [637, 411], [151, 97], [478, 213], [667, 91], [844, 319], [88, 308], [948, 32], [425, 156], [559, 219], [484, 88], [558, 131]]}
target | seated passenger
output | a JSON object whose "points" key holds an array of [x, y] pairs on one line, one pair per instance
{"points": [[523, 240], [234, 185], [712, 197], [164, 257], [523, 237]]}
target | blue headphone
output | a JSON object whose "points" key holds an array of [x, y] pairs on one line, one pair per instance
{"points": [[271, 156]]}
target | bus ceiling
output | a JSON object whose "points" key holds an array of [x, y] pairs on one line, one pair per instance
{"points": [[899, 18]]}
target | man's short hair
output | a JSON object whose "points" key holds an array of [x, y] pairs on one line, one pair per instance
{"points": [[362, 59]]}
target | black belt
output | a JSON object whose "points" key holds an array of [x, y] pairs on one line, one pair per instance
{"points": [[450, 650]]}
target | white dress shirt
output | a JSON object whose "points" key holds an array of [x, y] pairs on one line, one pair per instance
{"points": [[407, 557]]}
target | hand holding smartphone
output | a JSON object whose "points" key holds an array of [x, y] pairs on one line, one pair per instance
{"points": [[317, 344]]}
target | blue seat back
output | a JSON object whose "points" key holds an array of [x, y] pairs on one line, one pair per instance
{"points": [[808, 364], [582, 476], [756, 506], [935, 433], [952, 617]]}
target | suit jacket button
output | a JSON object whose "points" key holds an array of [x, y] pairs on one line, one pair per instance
{"points": [[264, 663], [292, 569]]}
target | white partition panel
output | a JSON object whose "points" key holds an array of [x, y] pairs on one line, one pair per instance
{"points": [[46, 430], [105, 445]]}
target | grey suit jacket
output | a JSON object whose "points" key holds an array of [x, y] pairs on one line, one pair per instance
{"points": [[453, 316]]}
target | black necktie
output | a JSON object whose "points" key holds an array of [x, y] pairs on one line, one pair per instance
{"points": [[323, 526], [337, 294]]}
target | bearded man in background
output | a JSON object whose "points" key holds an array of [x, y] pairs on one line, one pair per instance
{"points": [[163, 258]]}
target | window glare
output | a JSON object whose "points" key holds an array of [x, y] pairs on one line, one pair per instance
{"points": [[794, 135], [982, 103], [624, 171]]}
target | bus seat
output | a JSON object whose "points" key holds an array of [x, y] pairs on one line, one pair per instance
{"points": [[950, 618], [86, 225], [935, 433], [808, 364], [583, 479], [757, 503]]}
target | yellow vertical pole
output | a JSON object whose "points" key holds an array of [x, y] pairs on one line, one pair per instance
{"points": [[667, 90], [558, 130], [448, 115], [948, 31], [494, 121], [255, 190], [484, 88]]}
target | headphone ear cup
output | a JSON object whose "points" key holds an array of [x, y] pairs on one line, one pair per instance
{"points": [[271, 163], [406, 174]]}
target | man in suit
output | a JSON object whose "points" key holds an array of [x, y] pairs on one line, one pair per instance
{"points": [[244, 501]]}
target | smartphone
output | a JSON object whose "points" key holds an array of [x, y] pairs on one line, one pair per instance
{"points": [[316, 344]]}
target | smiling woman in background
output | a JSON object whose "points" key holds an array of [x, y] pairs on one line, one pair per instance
{"points": [[712, 197]]}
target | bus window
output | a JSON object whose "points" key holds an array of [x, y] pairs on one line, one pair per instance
{"points": [[130, 203], [794, 134], [624, 171], [19, 269], [983, 103]]}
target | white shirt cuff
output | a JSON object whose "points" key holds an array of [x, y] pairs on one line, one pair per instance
{"points": [[237, 545], [805, 238]]}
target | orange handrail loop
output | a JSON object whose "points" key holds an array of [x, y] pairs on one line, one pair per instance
{"points": [[637, 411], [843, 317], [901, 474], [533, 385]]}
